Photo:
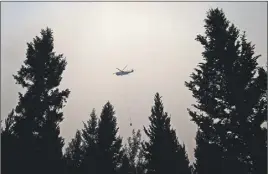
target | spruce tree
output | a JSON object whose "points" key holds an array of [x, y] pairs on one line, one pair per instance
{"points": [[9, 124], [8, 148], [125, 167], [163, 153], [74, 155], [134, 153], [89, 144], [38, 112], [230, 91], [109, 144], [208, 156]]}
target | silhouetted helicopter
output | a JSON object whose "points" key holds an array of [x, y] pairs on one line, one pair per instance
{"points": [[122, 72]]}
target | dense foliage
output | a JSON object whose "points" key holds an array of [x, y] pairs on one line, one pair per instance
{"points": [[231, 105]]}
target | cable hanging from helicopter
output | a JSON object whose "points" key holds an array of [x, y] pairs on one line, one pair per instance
{"points": [[121, 73]]}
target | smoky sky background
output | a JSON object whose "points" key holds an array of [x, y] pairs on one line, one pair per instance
{"points": [[156, 39]]}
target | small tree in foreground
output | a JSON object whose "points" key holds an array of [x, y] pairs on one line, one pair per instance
{"points": [[134, 153], [74, 155], [90, 148]]}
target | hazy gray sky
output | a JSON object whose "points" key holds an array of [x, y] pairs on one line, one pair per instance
{"points": [[156, 39]]}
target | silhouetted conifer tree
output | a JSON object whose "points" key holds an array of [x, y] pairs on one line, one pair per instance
{"points": [[74, 155], [125, 167], [38, 112], [231, 104], [134, 153], [8, 142], [208, 156], [163, 152], [192, 169], [109, 144], [90, 150]]}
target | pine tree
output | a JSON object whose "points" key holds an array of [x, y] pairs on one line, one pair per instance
{"points": [[208, 156], [89, 146], [8, 142], [38, 112], [134, 153], [74, 155], [192, 168], [109, 144], [125, 167], [231, 105], [163, 153], [9, 123]]}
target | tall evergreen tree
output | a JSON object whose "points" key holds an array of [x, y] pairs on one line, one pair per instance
{"points": [[38, 112], [163, 152], [89, 146], [208, 156], [109, 144], [74, 155], [231, 105]]}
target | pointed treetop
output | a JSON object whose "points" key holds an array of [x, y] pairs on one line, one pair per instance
{"points": [[108, 110], [108, 121], [109, 143], [158, 107], [227, 89], [89, 132], [163, 152]]}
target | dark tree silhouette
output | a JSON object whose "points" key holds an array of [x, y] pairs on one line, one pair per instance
{"points": [[9, 123], [109, 144], [8, 142], [192, 168], [38, 112], [231, 105], [208, 156], [134, 153], [125, 167], [74, 155], [90, 150], [163, 152]]}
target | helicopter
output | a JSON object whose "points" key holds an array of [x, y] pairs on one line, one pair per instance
{"points": [[122, 72]]}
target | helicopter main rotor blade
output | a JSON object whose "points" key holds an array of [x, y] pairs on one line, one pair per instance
{"points": [[124, 68], [119, 69]]}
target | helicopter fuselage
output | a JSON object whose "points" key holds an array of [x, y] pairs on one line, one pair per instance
{"points": [[121, 73]]}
